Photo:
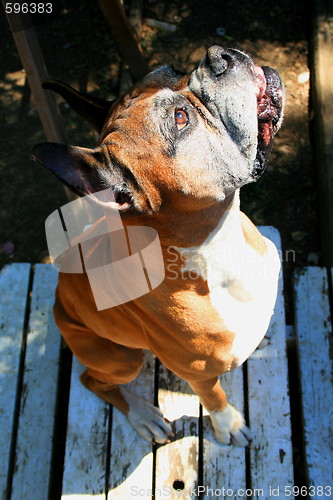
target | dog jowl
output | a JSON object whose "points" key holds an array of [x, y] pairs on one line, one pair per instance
{"points": [[174, 152]]}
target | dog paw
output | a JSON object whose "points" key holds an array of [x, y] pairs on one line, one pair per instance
{"points": [[229, 427], [147, 419]]}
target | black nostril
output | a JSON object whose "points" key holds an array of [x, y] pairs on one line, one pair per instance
{"points": [[218, 60]]}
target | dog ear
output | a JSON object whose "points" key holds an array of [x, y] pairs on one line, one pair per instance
{"points": [[75, 166], [87, 171], [93, 109]]}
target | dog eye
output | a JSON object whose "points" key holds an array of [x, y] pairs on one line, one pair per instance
{"points": [[181, 118]]}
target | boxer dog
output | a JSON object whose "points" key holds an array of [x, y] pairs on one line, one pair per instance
{"points": [[175, 150]]}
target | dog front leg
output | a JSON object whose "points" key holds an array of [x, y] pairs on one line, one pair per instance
{"points": [[146, 418], [110, 367], [228, 423]]}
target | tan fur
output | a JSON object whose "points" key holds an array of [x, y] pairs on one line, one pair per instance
{"points": [[252, 235]]}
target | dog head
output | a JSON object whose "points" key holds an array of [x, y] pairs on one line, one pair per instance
{"points": [[197, 137]]}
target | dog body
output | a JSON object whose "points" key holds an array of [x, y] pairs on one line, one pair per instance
{"points": [[175, 151]]}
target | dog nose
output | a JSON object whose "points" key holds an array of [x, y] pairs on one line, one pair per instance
{"points": [[219, 60]]}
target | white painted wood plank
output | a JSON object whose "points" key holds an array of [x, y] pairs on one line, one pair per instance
{"points": [[14, 282], [131, 464], [86, 442], [178, 460], [38, 399], [315, 351], [268, 400], [224, 466]]}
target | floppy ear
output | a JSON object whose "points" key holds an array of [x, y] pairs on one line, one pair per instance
{"points": [[87, 171], [93, 109]]}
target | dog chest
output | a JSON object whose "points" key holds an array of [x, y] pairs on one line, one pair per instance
{"points": [[242, 282]]}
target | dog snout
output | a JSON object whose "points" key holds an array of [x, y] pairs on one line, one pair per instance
{"points": [[220, 60]]}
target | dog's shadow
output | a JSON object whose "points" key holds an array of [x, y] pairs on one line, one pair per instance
{"points": [[134, 461]]}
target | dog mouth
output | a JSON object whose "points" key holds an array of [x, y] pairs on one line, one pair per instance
{"points": [[270, 98], [110, 198]]}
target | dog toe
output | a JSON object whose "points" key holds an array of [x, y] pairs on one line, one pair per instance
{"points": [[247, 432], [229, 427], [241, 437], [161, 430], [223, 437], [153, 431], [147, 420]]}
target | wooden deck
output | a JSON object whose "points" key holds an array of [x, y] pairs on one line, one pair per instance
{"points": [[58, 441]]}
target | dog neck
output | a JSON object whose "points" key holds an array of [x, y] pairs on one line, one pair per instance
{"points": [[181, 227], [227, 237]]}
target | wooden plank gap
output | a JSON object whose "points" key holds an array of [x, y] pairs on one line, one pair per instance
{"points": [[200, 446], [177, 462], [61, 418], [248, 482], [225, 466], [156, 403], [108, 453]]}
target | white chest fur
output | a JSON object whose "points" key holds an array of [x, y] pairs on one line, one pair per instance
{"points": [[241, 281]]}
